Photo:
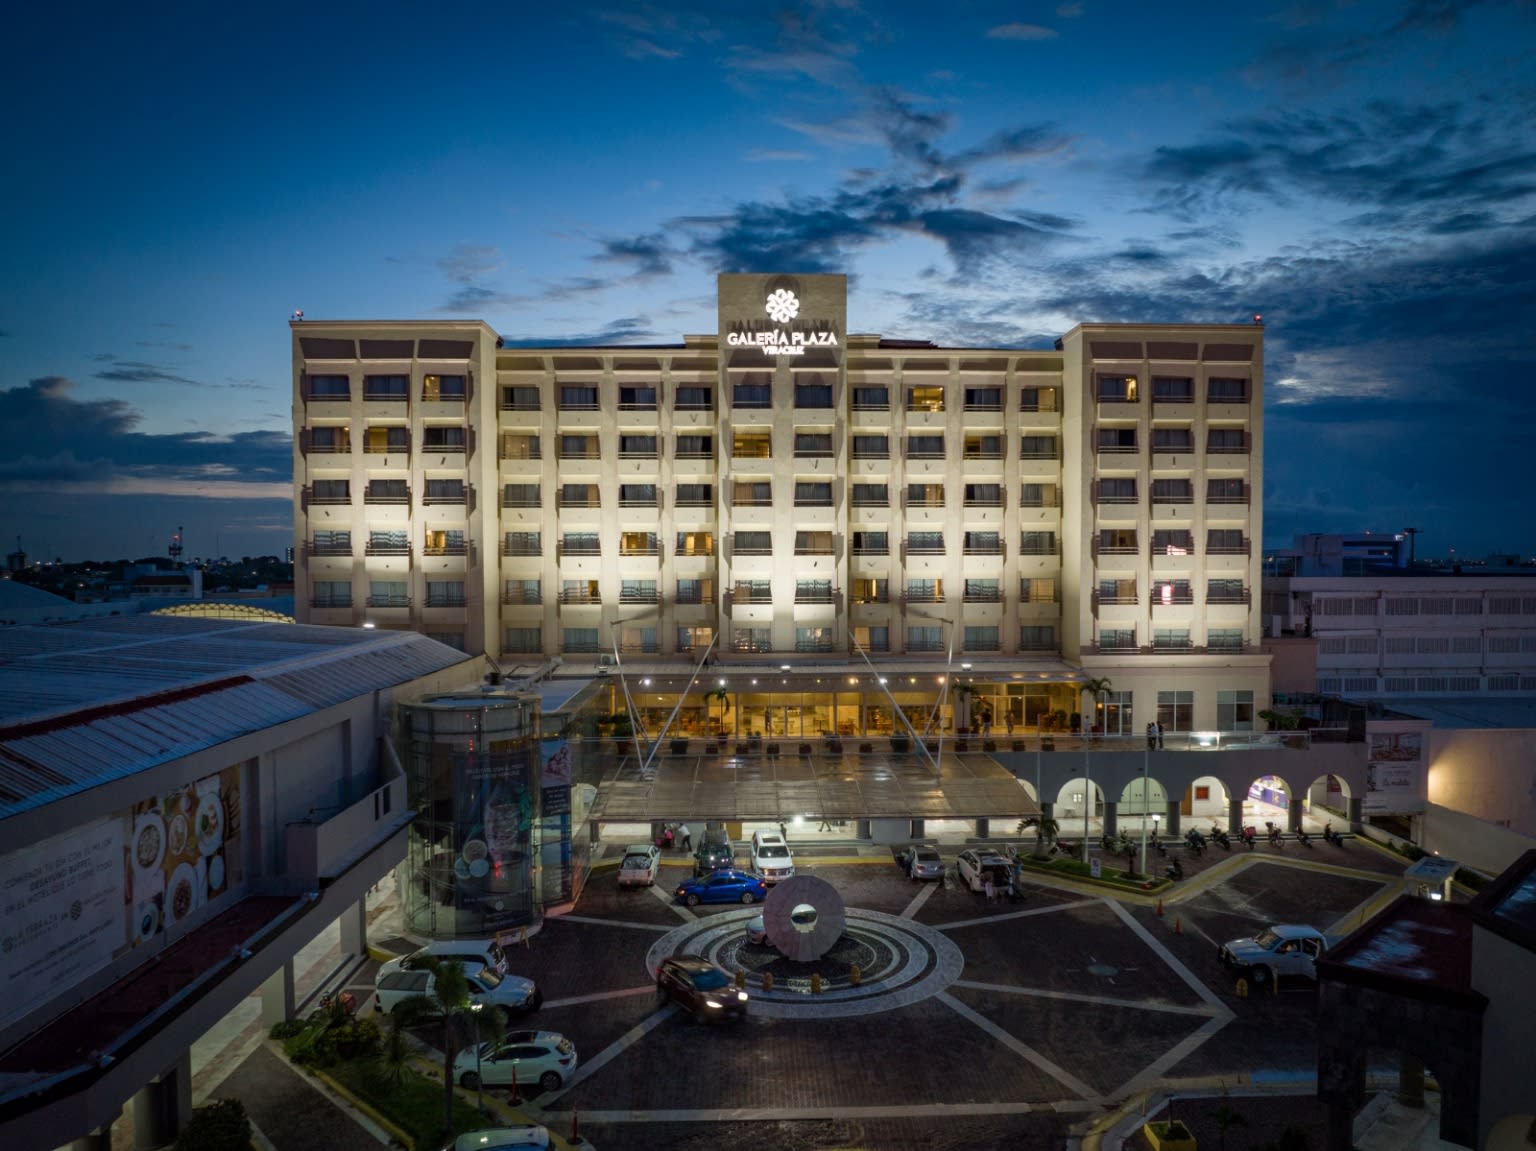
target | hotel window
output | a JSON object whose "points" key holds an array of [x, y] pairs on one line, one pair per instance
{"points": [[638, 591], [695, 495], [694, 398], [382, 491], [328, 388], [1234, 711], [1173, 492], [1117, 389], [1037, 637], [925, 398], [639, 640], [1173, 542], [1037, 543], [984, 447], [578, 398], [871, 447], [981, 637], [1226, 542], [753, 394], [925, 591], [637, 447], [331, 543], [580, 640], [1117, 541], [925, 447], [1226, 442], [1173, 390], [1176, 710], [524, 640], [813, 639], [1037, 590], [579, 496], [692, 446], [521, 496], [1037, 448], [1225, 591], [813, 394], [752, 494], [695, 591], [381, 440], [1226, 491], [815, 543], [870, 496], [330, 593], [1037, 496], [446, 389], [637, 495], [1115, 491], [522, 591], [752, 445], [520, 398], [388, 593], [1226, 390], [581, 544], [983, 591], [984, 399], [580, 447], [1224, 639], [386, 387], [445, 542], [340, 491], [813, 444], [982, 543], [638, 543], [694, 638], [925, 637], [330, 441], [876, 638], [444, 492], [637, 397], [695, 543], [871, 398], [520, 446], [1172, 441], [813, 591], [1170, 639], [983, 495], [1117, 591], [522, 544], [1034, 399], [580, 591], [925, 543], [1117, 639], [1116, 441], [752, 639], [871, 543], [437, 439], [864, 591], [753, 544], [925, 495], [445, 593], [813, 494]]}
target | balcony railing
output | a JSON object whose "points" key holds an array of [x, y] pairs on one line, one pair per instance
{"points": [[1173, 497], [1115, 497], [865, 598], [1100, 548], [750, 645], [578, 499], [459, 497], [819, 644], [632, 501], [328, 601], [826, 595], [921, 597], [514, 598], [693, 599], [984, 548], [1237, 549], [521, 501], [813, 501], [1166, 549], [447, 599], [924, 549], [581, 453], [384, 548], [445, 549], [578, 548], [1176, 597], [1116, 598], [1114, 448], [639, 595], [872, 550], [389, 601], [701, 553], [1228, 597], [398, 448], [581, 597], [871, 501], [521, 549], [640, 549], [983, 595], [372, 497], [313, 500], [984, 501], [750, 500], [329, 549], [1164, 448], [1225, 498], [695, 501], [929, 646], [450, 447]]}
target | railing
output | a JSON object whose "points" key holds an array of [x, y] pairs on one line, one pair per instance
{"points": [[458, 497], [322, 602], [1038, 501], [311, 448], [1099, 548], [876, 598], [813, 501], [868, 406], [1168, 449], [1241, 498], [817, 596], [693, 599], [1173, 397], [873, 550], [1053, 549], [816, 549], [312, 500], [871, 502], [389, 601], [386, 549], [682, 455], [374, 396], [813, 645], [533, 501], [1117, 599], [519, 406], [751, 501], [911, 501], [589, 500], [1174, 598], [651, 501], [928, 646], [311, 396], [983, 595], [1036, 405], [1114, 497], [447, 600], [813, 453], [639, 454], [386, 449], [1115, 449], [1174, 498], [923, 549], [984, 405], [871, 454], [314, 549], [698, 553], [521, 549], [1241, 597], [513, 598], [752, 451], [695, 502], [640, 549], [523, 456], [445, 549], [925, 453], [632, 595], [745, 645], [584, 453], [920, 597], [1237, 449], [562, 548], [1171, 549], [982, 453], [372, 497], [984, 548], [1031, 453], [1238, 549], [579, 406], [581, 597], [984, 501]]}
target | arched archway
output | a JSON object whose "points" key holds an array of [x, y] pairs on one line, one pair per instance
{"points": [[1205, 802], [1142, 803], [1080, 809], [1271, 799]]}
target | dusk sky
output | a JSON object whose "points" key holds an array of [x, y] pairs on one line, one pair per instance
{"points": [[184, 176]]}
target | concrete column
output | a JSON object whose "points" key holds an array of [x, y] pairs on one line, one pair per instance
{"points": [[1172, 820], [162, 1106], [1341, 1127], [594, 831], [1354, 812], [917, 830], [1047, 811], [277, 1000], [1410, 1080], [863, 829], [983, 828], [1293, 821], [1111, 818], [98, 1140], [1235, 817], [354, 929]]}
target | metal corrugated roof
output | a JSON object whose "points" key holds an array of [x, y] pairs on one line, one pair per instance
{"points": [[91, 701]]}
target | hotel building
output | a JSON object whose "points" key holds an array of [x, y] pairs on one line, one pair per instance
{"points": [[829, 506]]}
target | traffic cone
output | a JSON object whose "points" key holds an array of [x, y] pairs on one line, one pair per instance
{"points": [[1159, 908], [513, 1098], [575, 1123], [1178, 926]]}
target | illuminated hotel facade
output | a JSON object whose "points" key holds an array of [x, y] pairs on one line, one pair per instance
{"points": [[850, 513]]}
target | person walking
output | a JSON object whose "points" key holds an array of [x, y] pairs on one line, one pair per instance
{"points": [[1151, 737], [686, 836], [1159, 735]]}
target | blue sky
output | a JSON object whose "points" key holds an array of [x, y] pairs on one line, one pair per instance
{"points": [[184, 176]]}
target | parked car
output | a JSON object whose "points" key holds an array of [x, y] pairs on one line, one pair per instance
{"points": [[530, 1057], [510, 994], [526, 1137], [714, 851], [478, 952], [771, 856], [976, 867], [921, 862], [1284, 949], [638, 868], [757, 931], [728, 886], [694, 983]]}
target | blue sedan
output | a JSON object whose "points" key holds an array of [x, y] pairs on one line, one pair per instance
{"points": [[722, 887]]}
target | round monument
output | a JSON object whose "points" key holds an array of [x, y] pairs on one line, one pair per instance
{"points": [[803, 917]]}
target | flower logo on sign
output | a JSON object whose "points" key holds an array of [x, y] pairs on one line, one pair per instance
{"points": [[782, 306]]}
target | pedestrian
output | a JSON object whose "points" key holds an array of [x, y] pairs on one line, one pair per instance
{"points": [[990, 888], [686, 836], [1008, 722], [1159, 735], [1151, 737], [666, 837]]}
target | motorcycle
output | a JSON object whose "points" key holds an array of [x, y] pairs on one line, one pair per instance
{"points": [[1196, 841], [1275, 839], [1303, 837], [1332, 836], [1174, 870], [1250, 835], [1222, 838], [1157, 845]]}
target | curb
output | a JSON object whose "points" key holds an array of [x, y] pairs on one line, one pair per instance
{"points": [[394, 1132], [500, 1109]]}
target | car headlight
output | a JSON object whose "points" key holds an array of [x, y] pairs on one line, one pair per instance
{"points": [[711, 1003], [741, 996]]}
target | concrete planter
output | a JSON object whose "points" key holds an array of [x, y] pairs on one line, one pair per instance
{"points": [[1172, 1136]]}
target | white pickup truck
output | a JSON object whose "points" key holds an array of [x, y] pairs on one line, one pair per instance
{"points": [[1284, 949]]}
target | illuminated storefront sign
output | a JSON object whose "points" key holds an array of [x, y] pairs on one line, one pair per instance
{"points": [[783, 307]]}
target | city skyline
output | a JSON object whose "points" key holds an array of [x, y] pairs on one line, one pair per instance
{"points": [[987, 175]]}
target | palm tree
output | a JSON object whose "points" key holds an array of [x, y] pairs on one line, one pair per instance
{"points": [[1225, 1117], [1095, 688], [1046, 830], [448, 1008], [723, 696]]}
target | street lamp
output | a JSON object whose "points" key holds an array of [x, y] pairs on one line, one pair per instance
{"points": [[1087, 798], [479, 1083], [1146, 802]]}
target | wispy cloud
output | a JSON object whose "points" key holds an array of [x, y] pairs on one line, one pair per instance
{"points": [[139, 372], [774, 155], [1021, 32]]}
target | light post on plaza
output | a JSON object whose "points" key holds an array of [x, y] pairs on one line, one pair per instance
{"points": [[1146, 802], [1087, 799]]}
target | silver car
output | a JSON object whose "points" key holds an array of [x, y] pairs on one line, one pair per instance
{"points": [[921, 862]]}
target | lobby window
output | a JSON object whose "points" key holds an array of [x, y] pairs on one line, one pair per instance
{"points": [[813, 394], [695, 495], [637, 495], [1176, 710], [813, 639], [694, 398], [1117, 390], [522, 591], [1226, 390], [752, 446], [327, 388], [925, 398], [1037, 637], [519, 446], [875, 638], [871, 543], [693, 446], [520, 398], [871, 398], [397, 388], [981, 637], [637, 397], [1234, 711], [330, 593], [578, 398], [1037, 496], [520, 496], [813, 493], [813, 444], [1037, 543], [388, 593], [815, 543], [871, 447], [984, 399], [580, 640], [1037, 448], [925, 447], [524, 640], [445, 593], [753, 544], [1173, 390], [925, 637], [522, 544], [870, 495], [445, 389], [695, 543]]}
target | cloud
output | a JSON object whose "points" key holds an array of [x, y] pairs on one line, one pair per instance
{"points": [[770, 155], [1021, 32], [647, 256], [629, 330], [139, 372]]}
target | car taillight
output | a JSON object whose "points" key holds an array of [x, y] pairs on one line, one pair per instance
{"points": [[565, 1060]]}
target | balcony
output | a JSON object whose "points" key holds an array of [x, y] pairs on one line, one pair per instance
{"points": [[522, 499], [928, 595], [386, 548], [580, 452], [327, 499], [639, 595], [454, 549], [1101, 497], [925, 548], [748, 596], [571, 596], [694, 501], [377, 497], [693, 599], [993, 500], [329, 602], [443, 447], [872, 549], [1122, 599], [587, 499], [432, 498], [927, 646], [1169, 447], [1236, 445], [522, 597], [1178, 597], [751, 500], [640, 549], [521, 548], [1113, 548], [1164, 497], [631, 500], [983, 548], [818, 645], [1229, 548], [983, 595], [815, 595], [578, 548], [446, 599], [925, 452], [386, 448], [883, 501], [1028, 547], [327, 549], [1228, 597], [1228, 497], [389, 601], [813, 501]]}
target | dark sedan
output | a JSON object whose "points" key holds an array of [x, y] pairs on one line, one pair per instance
{"points": [[696, 984], [729, 886]]}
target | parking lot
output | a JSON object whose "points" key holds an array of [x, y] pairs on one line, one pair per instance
{"points": [[1060, 1004]]}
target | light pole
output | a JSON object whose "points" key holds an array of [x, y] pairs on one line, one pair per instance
{"points": [[1146, 802], [1087, 799], [479, 1084]]}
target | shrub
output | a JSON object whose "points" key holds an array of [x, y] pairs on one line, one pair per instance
{"points": [[221, 1126]]}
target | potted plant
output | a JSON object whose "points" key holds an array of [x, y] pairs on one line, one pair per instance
{"points": [[1280, 720], [1096, 686], [623, 731]]}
